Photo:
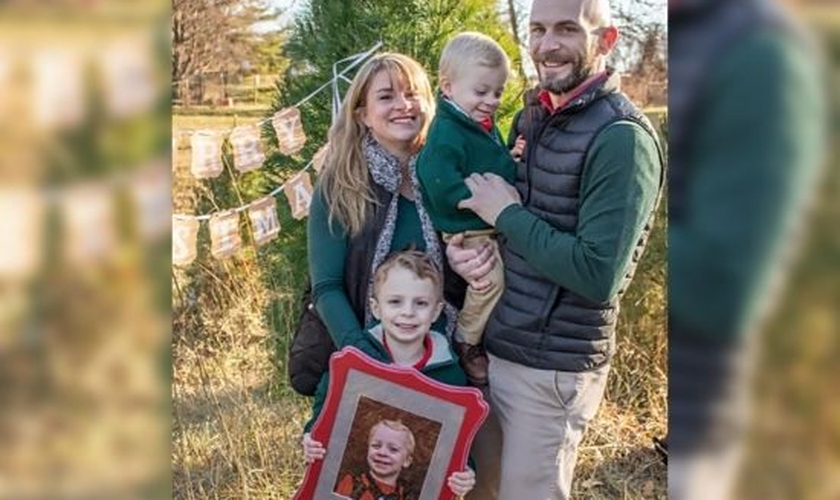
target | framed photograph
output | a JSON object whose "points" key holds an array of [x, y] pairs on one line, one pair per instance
{"points": [[396, 422]]}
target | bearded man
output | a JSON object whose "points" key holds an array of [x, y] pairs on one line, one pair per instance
{"points": [[571, 230]]}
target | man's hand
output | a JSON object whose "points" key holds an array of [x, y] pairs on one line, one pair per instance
{"points": [[472, 264], [490, 195]]}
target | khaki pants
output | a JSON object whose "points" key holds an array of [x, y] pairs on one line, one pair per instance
{"points": [[486, 451], [472, 319], [543, 415]]}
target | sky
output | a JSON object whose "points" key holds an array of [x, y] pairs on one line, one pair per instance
{"points": [[658, 15]]}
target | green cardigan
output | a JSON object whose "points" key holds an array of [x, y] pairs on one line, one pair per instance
{"points": [[456, 147], [442, 366]]}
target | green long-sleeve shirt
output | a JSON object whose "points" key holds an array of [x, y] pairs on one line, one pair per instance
{"points": [[327, 251], [619, 185], [756, 146]]}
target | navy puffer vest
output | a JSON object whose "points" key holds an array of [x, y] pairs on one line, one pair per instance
{"points": [[538, 323]]}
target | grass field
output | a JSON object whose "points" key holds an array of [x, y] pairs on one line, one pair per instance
{"points": [[237, 424]]}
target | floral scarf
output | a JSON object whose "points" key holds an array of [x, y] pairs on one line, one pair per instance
{"points": [[385, 169]]}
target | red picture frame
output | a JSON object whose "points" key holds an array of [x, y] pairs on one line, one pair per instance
{"points": [[444, 420]]}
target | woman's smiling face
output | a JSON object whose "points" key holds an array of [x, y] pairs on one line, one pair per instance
{"points": [[393, 113]]}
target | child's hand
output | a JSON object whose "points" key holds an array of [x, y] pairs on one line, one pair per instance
{"points": [[518, 148], [461, 483], [312, 450]]}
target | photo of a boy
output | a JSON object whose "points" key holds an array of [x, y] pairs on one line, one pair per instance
{"points": [[390, 450]]}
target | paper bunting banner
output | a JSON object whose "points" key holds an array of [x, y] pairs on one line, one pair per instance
{"points": [[184, 236], [58, 99], [129, 76], [247, 149], [224, 234], [263, 215], [21, 226], [206, 154], [90, 223], [298, 191], [289, 129], [319, 158], [152, 194]]}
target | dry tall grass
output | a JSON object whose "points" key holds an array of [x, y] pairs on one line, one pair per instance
{"points": [[237, 424]]}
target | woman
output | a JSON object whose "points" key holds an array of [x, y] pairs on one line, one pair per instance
{"points": [[367, 201], [367, 204]]}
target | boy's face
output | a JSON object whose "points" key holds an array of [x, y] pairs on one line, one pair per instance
{"points": [[387, 453], [476, 89], [406, 305]]}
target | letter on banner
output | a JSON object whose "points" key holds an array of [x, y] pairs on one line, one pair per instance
{"points": [[152, 193], [58, 99], [319, 158], [263, 214], [247, 149], [206, 154], [21, 226], [184, 235], [129, 76], [90, 223], [224, 234], [289, 129], [298, 190]]}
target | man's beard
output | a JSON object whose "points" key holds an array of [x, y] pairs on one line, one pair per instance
{"points": [[582, 67]]}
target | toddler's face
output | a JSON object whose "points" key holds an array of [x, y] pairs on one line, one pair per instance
{"points": [[388, 453], [477, 90]]}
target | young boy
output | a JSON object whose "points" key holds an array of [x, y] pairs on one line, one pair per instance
{"points": [[407, 299], [390, 450], [463, 140]]}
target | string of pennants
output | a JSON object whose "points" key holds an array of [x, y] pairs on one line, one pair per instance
{"points": [[125, 69], [206, 161], [89, 217]]}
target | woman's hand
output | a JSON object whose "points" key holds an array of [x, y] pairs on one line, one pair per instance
{"points": [[461, 483], [312, 450]]}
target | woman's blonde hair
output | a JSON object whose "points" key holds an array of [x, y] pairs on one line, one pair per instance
{"points": [[344, 180]]}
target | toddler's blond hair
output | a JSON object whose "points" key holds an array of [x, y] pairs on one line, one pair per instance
{"points": [[470, 48]]}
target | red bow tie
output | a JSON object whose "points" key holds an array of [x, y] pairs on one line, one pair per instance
{"points": [[486, 124]]}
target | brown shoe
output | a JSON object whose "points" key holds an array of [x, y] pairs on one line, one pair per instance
{"points": [[474, 362]]}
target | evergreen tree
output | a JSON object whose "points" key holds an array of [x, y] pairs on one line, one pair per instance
{"points": [[331, 30]]}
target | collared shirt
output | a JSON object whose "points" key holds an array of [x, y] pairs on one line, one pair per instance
{"points": [[427, 351], [545, 96]]}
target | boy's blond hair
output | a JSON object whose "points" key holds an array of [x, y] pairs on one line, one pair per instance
{"points": [[419, 263], [467, 49], [396, 425]]}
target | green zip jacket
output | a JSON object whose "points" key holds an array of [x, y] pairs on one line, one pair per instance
{"points": [[456, 147]]}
